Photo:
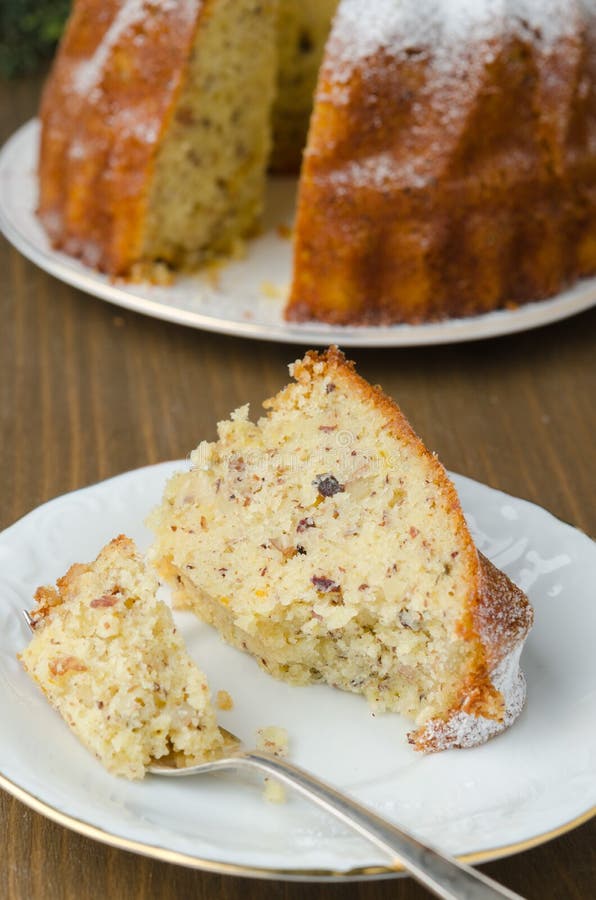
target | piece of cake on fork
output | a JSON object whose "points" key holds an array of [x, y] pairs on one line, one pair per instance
{"points": [[106, 653]]}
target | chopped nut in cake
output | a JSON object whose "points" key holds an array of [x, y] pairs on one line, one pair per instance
{"points": [[273, 739]]}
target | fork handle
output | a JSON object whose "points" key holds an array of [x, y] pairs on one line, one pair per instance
{"points": [[440, 874]]}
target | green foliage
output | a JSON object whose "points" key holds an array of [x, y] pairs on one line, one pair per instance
{"points": [[29, 30]]}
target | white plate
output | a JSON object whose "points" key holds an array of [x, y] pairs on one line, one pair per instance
{"points": [[241, 302], [536, 780]]}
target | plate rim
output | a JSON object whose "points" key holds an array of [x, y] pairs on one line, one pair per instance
{"points": [[176, 857], [156, 851], [578, 298]]}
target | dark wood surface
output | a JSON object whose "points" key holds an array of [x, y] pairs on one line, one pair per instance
{"points": [[88, 391]]}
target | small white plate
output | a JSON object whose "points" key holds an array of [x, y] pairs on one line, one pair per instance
{"points": [[245, 297], [535, 781]]}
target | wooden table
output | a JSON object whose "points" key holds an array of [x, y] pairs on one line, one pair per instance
{"points": [[88, 391]]}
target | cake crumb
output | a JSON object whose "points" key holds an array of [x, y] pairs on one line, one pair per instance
{"points": [[272, 291], [274, 791], [224, 701], [153, 272], [212, 273], [284, 231], [273, 739]]}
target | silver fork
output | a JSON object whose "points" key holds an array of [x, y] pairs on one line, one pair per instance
{"points": [[443, 875]]}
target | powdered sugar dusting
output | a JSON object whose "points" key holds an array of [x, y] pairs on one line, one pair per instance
{"points": [[547, 20], [361, 30], [131, 13], [378, 171], [503, 618], [439, 27], [465, 730], [142, 127], [438, 57], [89, 71]]}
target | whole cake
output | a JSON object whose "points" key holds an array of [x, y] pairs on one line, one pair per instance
{"points": [[450, 167], [328, 542], [107, 656]]}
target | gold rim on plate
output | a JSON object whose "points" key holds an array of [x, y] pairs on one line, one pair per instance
{"points": [[224, 868], [17, 189]]}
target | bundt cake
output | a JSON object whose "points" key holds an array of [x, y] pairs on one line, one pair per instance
{"points": [[106, 654], [450, 167], [328, 542]]}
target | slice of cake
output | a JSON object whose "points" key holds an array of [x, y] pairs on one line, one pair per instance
{"points": [[106, 653], [327, 541]]}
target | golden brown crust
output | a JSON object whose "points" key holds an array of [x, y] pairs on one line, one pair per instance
{"points": [[502, 615], [47, 597], [109, 98], [406, 215]]}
